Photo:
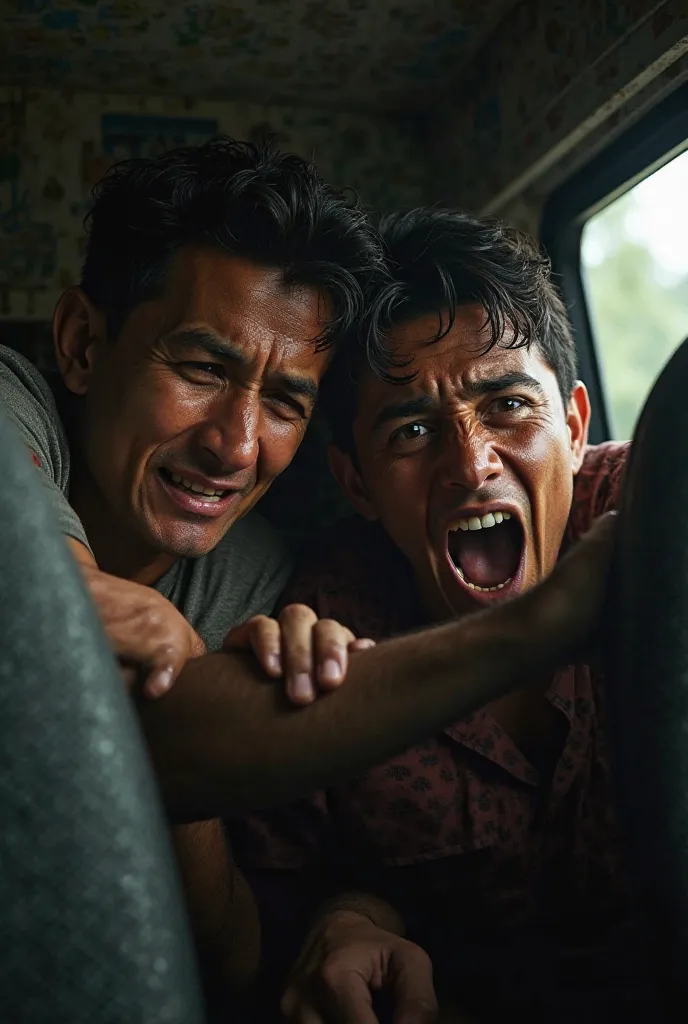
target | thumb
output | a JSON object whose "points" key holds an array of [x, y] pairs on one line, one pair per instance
{"points": [[169, 660], [415, 1001], [167, 663]]}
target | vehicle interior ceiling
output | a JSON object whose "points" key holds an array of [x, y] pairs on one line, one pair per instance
{"points": [[490, 107]]}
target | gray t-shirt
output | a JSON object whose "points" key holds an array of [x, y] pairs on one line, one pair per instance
{"points": [[243, 576]]}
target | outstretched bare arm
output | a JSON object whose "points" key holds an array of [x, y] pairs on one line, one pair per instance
{"points": [[225, 741]]}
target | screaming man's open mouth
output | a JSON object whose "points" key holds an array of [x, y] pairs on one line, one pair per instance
{"points": [[486, 550]]}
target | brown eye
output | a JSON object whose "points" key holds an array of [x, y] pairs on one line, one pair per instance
{"points": [[287, 407], [506, 405], [410, 432], [198, 370]]}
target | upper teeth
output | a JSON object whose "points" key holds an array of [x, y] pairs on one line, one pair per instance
{"points": [[207, 492], [481, 522]]}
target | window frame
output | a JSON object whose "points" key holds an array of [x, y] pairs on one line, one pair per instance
{"points": [[648, 145]]}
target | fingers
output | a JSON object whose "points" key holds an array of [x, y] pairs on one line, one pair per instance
{"points": [[416, 1012], [341, 998], [347, 998], [305, 1014], [415, 1001], [158, 663], [166, 664], [363, 643], [261, 635], [296, 623], [310, 653], [145, 631], [283, 647], [344, 997], [297, 1009], [169, 657], [344, 965], [331, 642]]}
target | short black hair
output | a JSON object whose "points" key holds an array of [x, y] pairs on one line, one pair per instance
{"points": [[246, 199], [439, 260]]}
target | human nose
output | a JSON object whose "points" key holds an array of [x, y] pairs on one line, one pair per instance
{"points": [[468, 458], [231, 433]]}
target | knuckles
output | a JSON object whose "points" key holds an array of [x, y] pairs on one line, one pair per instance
{"points": [[260, 623], [294, 615]]}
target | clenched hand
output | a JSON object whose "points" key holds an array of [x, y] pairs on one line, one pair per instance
{"points": [[344, 960], [147, 633]]}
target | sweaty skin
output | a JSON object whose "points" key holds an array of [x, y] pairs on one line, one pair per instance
{"points": [[213, 380], [473, 432]]}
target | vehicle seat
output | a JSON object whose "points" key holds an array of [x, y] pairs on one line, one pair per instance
{"points": [[93, 927]]}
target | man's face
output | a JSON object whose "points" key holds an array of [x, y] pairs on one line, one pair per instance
{"points": [[201, 401], [470, 466]]}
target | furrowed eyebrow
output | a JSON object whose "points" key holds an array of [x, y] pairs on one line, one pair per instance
{"points": [[221, 348], [303, 386], [211, 343], [400, 410], [490, 385]]}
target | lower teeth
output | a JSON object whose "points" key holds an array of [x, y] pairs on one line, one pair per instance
{"points": [[482, 590], [196, 494], [199, 494]]}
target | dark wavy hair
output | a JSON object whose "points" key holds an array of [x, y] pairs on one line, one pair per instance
{"points": [[248, 200], [440, 260]]}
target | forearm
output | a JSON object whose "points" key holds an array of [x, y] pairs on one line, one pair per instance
{"points": [[225, 741], [222, 911]]}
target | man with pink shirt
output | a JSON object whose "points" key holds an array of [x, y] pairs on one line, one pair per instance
{"points": [[491, 851]]}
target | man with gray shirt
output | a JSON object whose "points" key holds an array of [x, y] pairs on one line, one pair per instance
{"points": [[224, 273], [216, 280]]}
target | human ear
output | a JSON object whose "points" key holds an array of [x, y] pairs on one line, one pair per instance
{"points": [[349, 478], [77, 328], [578, 423]]}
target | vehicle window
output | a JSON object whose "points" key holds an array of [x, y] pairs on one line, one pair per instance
{"points": [[634, 256]]}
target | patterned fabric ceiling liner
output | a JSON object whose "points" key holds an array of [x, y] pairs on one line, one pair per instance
{"points": [[377, 54]]}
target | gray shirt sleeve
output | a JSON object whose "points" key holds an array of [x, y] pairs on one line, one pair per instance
{"points": [[28, 401]]}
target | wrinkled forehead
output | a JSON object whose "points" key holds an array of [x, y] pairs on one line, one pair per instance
{"points": [[455, 363], [463, 347], [248, 303]]}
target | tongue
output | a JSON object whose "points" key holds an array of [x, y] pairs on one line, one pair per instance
{"points": [[486, 557]]}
